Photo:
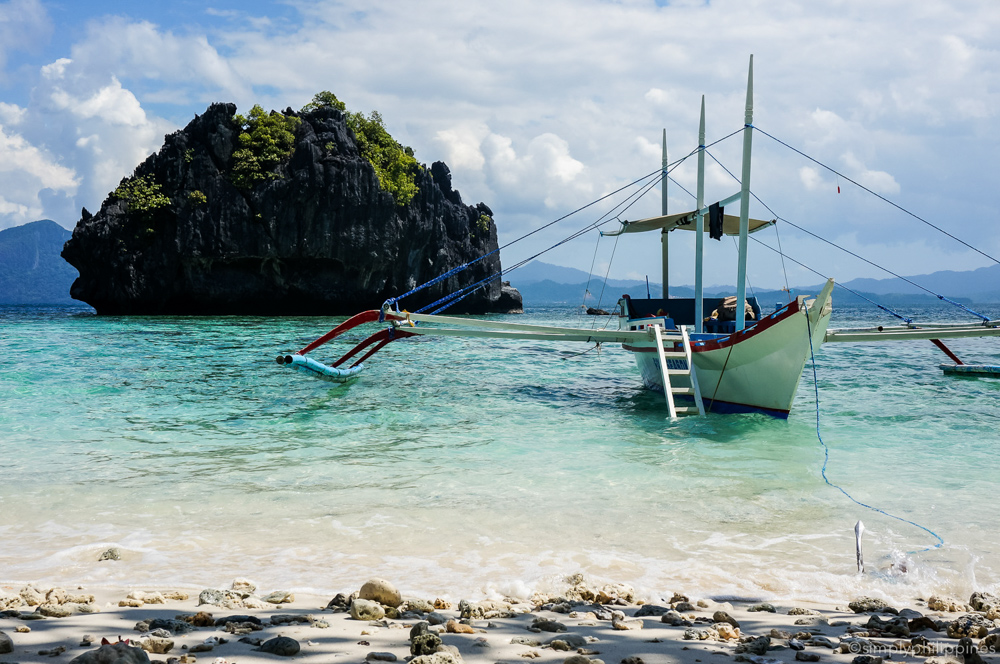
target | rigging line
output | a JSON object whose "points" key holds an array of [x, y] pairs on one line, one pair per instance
{"points": [[784, 272], [826, 455], [885, 269], [848, 251], [879, 196], [600, 298], [459, 268], [462, 293], [837, 283], [721, 374], [586, 290]]}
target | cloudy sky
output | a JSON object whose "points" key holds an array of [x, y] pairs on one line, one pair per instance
{"points": [[540, 107]]}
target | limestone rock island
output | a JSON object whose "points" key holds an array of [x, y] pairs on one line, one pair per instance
{"points": [[225, 219]]}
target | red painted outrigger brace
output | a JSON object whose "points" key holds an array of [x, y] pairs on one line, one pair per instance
{"points": [[380, 338], [383, 337], [369, 316]]}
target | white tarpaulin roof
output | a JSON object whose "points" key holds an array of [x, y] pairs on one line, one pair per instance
{"points": [[685, 221]]}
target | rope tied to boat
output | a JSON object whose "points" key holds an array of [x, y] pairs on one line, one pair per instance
{"points": [[826, 455]]}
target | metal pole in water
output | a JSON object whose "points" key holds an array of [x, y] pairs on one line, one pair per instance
{"points": [[859, 530]]}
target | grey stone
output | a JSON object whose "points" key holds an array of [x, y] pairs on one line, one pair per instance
{"points": [[437, 658], [114, 653], [6, 644], [381, 591], [802, 656], [972, 624], [218, 597], [424, 644], [651, 610], [723, 617], [757, 646], [339, 603], [573, 640], [675, 619], [897, 626], [225, 620], [824, 641], [156, 645], [114, 553], [763, 606], [376, 656], [285, 646], [546, 625], [436, 618], [867, 605], [867, 659], [279, 597], [56, 610], [413, 605], [798, 611], [485, 610], [364, 609], [981, 600], [288, 619], [528, 641], [177, 627]]}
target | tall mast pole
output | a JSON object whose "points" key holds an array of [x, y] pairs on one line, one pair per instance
{"points": [[741, 272], [664, 244], [699, 236]]}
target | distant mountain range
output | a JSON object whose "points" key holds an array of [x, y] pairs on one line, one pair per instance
{"points": [[31, 269], [542, 283]]}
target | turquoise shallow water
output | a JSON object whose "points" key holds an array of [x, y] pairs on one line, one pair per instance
{"points": [[469, 467]]}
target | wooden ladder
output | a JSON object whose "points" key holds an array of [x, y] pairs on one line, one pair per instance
{"points": [[669, 390]]}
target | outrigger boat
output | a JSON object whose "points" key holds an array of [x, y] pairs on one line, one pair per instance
{"points": [[751, 363]]}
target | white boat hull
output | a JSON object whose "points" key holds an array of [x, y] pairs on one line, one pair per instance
{"points": [[756, 370]]}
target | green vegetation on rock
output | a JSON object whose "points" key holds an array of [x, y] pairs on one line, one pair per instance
{"points": [[394, 164], [325, 99], [265, 140], [483, 223], [142, 195], [197, 197]]}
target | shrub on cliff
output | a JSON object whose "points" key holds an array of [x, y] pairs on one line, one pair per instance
{"points": [[265, 140], [142, 195], [394, 164]]}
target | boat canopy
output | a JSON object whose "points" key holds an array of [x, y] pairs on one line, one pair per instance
{"points": [[685, 221]]}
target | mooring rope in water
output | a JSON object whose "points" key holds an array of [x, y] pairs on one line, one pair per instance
{"points": [[826, 458]]}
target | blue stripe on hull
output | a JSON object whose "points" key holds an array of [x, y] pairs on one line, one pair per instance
{"points": [[727, 408]]}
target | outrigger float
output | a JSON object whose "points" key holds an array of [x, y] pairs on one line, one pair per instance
{"points": [[750, 363]]}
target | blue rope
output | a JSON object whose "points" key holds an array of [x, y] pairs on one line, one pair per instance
{"points": [[455, 270], [462, 293], [660, 171], [826, 457]]}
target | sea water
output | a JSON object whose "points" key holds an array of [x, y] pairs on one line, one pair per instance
{"points": [[470, 467]]}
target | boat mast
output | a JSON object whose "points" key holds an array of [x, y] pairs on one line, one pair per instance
{"points": [[699, 240], [741, 271], [665, 258]]}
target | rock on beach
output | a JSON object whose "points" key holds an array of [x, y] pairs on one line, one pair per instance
{"points": [[381, 591]]}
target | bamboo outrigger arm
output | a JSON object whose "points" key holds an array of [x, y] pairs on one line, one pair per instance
{"points": [[914, 331]]}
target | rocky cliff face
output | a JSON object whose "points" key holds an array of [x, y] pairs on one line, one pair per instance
{"points": [[320, 238]]}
